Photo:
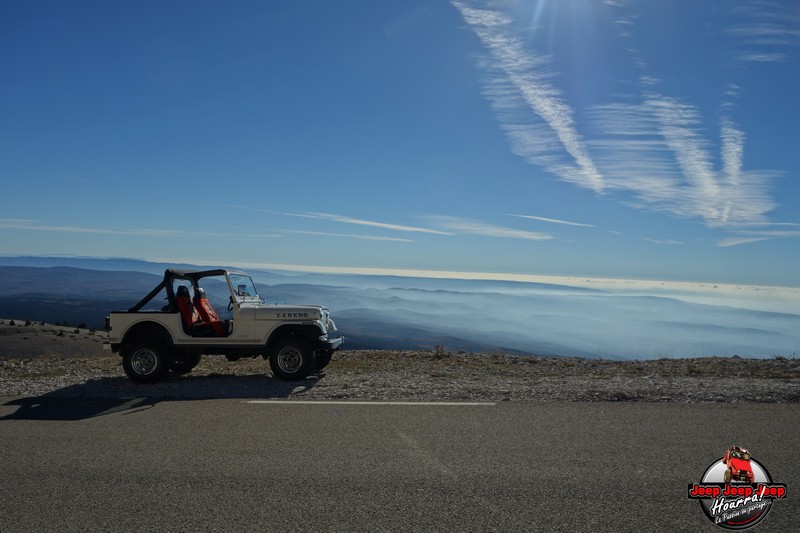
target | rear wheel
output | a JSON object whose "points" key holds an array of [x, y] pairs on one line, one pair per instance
{"points": [[145, 362], [292, 359]]}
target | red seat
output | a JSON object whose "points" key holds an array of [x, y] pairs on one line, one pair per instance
{"points": [[189, 314], [197, 318], [203, 306], [208, 315]]}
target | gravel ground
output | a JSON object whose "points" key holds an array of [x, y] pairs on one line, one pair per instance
{"points": [[423, 376]]}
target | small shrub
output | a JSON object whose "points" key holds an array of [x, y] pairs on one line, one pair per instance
{"points": [[12, 323], [27, 322], [440, 352]]}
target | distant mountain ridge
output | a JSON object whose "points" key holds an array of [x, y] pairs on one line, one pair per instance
{"points": [[90, 263], [68, 294], [63, 280], [73, 295]]}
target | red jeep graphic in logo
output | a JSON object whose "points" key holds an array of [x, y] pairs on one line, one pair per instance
{"points": [[738, 462]]}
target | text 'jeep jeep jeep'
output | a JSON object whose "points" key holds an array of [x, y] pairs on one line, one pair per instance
{"points": [[297, 339]]}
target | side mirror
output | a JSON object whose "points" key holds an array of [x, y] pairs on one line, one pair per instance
{"points": [[242, 290]]}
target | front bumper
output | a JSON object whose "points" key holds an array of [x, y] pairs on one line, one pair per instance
{"points": [[330, 344]]}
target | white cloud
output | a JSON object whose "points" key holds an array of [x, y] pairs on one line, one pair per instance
{"points": [[736, 241], [766, 30], [473, 227], [657, 151], [756, 57], [370, 223], [771, 33], [677, 123], [33, 225], [516, 81], [732, 90], [349, 236], [554, 221], [345, 220], [748, 236], [662, 241]]}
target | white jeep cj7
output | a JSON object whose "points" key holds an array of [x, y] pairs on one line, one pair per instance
{"points": [[297, 339]]}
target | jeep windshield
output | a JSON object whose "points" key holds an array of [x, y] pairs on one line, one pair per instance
{"points": [[740, 455], [244, 288]]}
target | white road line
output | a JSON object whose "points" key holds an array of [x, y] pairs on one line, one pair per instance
{"points": [[334, 402]]}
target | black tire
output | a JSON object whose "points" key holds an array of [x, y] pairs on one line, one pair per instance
{"points": [[728, 476], [145, 362], [184, 365], [323, 359], [292, 359]]}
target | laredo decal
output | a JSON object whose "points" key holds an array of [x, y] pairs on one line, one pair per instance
{"points": [[291, 315]]}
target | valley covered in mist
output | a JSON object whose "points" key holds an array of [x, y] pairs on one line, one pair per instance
{"points": [[548, 319], [623, 321]]}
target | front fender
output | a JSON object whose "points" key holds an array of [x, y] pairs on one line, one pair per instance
{"points": [[307, 331]]}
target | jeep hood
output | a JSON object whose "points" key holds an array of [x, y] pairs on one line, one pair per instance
{"points": [[740, 464]]}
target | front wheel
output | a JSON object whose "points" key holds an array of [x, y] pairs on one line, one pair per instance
{"points": [[322, 360], [145, 362], [292, 359]]}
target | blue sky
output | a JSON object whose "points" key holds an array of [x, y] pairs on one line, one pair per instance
{"points": [[644, 140]]}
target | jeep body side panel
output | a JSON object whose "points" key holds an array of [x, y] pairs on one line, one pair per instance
{"points": [[244, 325], [124, 323]]}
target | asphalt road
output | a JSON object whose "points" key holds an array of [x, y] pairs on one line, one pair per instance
{"points": [[87, 465]]}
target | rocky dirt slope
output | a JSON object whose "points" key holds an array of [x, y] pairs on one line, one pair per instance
{"points": [[60, 361]]}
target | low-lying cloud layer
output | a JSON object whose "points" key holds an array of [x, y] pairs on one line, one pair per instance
{"points": [[553, 319]]}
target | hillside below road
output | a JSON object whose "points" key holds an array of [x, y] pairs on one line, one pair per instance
{"points": [[421, 376], [58, 361]]}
